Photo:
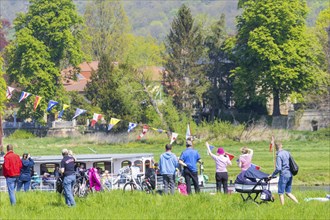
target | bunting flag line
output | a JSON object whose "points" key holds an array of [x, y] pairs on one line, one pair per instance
{"points": [[255, 166], [9, 92], [174, 137], [144, 131], [113, 122], [188, 132], [231, 157], [96, 117], [51, 105], [78, 112], [24, 95], [131, 126], [36, 102], [65, 106]]}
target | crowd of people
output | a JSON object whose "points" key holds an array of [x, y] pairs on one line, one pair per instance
{"points": [[17, 171]]}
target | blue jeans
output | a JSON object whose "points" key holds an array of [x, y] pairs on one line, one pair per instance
{"points": [[11, 184], [68, 183], [168, 180], [26, 185], [284, 184]]}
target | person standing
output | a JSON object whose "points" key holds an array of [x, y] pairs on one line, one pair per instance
{"points": [[244, 161], [11, 170], [67, 169], [25, 176], [283, 168], [221, 163], [168, 163], [188, 160]]}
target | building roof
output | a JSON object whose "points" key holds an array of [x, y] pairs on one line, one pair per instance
{"points": [[86, 69]]}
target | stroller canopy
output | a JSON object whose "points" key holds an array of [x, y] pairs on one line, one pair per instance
{"points": [[250, 176]]}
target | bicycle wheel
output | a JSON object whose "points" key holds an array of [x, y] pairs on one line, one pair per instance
{"points": [[129, 187], [83, 190], [146, 188], [75, 189]]}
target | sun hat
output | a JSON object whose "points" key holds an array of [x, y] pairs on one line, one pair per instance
{"points": [[221, 150]]}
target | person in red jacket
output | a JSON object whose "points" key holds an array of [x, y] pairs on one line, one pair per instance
{"points": [[11, 170]]}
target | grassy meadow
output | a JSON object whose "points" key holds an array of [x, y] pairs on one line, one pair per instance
{"points": [[311, 154]]}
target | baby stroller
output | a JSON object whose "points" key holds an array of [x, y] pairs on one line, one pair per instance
{"points": [[253, 182]]}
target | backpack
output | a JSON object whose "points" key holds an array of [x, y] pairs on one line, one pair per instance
{"points": [[294, 168], [266, 195]]}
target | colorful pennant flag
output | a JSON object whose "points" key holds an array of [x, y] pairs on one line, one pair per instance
{"points": [[270, 147], [188, 132], [211, 147], [9, 92], [255, 166], [78, 112], [144, 131], [229, 155], [131, 126], [65, 106], [24, 95], [51, 105], [96, 117], [174, 137], [113, 122], [36, 102]]}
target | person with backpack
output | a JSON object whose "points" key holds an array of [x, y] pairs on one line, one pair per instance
{"points": [[283, 169]]}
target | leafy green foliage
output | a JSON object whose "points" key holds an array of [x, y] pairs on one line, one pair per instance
{"points": [[21, 134], [185, 76], [107, 26], [47, 39], [273, 52]]}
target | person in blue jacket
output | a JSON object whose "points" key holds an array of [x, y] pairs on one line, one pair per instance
{"points": [[25, 175], [167, 165]]}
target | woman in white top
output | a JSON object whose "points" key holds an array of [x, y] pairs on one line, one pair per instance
{"points": [[221, 163]]}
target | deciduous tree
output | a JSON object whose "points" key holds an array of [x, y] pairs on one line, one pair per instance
{"points": [[273, 52]]}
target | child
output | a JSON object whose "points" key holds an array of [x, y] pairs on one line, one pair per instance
{"points": [[182, 187]]}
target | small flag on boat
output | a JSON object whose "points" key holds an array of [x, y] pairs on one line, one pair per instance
{"points": [[36, 102], [96, 117], [65, 106], [51, 105], [78, 112]]}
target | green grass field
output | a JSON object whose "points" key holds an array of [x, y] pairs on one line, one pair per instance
{"points": [[311, 155], [137, 205]]}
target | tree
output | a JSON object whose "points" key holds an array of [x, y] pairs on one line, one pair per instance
{"points": [[185, 76], [3, 87], [221, 63], [5, 25], [107, 25], [273, 52], [47, 39]]}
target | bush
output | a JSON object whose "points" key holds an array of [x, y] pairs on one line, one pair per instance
{"points": [[22, 134]]}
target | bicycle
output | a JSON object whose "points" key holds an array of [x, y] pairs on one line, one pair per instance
{"points": [[142, 185], [81, 187]]}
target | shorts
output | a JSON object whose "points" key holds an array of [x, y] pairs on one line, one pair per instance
{"points": [[284, 184]]}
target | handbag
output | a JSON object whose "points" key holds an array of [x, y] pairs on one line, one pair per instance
{"points": [[294, 168]]}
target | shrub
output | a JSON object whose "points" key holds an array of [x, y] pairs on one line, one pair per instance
{"points": [[22, 134]]}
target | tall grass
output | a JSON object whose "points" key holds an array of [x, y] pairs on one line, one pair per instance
{"points": [[137, 205], [310, 150]]}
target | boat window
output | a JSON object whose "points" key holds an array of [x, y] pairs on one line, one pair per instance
{"points": [[78, 165], [138, 163], [125, 163], [104, 165], [48, 168]]}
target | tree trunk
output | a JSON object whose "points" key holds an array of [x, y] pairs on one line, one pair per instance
{"points": [[1, 135], [276, 103]]}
